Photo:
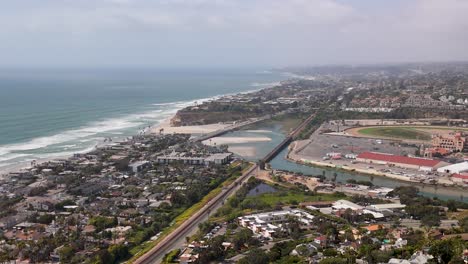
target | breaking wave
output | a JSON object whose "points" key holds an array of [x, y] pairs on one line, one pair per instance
{"points": [[86, 138]]}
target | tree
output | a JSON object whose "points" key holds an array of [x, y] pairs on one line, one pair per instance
{"points": [[171, 256], [452, 205], [119, 252], [256, 256], [335, 175], [241, 238], [430, 220], [446, 250], [214, 251], [66, 253], [330, 252]]}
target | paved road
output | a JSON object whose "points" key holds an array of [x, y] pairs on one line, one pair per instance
{"points": [[176, 239]]}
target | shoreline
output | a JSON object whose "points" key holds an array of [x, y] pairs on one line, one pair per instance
{"points": [[149, 129], [165, 128]]}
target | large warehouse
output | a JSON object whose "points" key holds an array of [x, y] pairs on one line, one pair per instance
{"points": [[400, 161], [454, 168]]}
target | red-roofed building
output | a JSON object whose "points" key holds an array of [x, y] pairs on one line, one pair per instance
{"points": [[400, 161], [454, 142], [431, 152], [461, 177]]}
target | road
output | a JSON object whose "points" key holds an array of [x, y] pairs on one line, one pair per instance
{"points": [[176, 239]]}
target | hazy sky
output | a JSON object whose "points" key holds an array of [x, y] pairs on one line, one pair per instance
{"points": [[209, 33]]}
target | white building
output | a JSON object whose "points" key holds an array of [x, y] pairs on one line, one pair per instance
{"points": [[266, 224], [388, 206], [344, 204], [217, 158], [454, 168], [139, 165]]}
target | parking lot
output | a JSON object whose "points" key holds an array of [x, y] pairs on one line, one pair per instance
{"points": [[322, 146]]}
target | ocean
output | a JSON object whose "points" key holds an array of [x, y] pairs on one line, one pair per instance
{"points": [[57, 112]]}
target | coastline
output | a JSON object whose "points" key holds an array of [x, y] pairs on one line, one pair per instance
{"points": [[154, 128]]}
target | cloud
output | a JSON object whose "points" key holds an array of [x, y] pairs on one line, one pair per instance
{"points": [[114, 14], [238, 31]]}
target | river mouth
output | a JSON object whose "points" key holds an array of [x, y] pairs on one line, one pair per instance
{"points": [[274, 130]]}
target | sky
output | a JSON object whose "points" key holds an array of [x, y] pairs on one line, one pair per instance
{"points": [[230, 33]]}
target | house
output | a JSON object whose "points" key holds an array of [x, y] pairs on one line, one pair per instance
{"points": [[138, 166], [321, 240], [417, 258], [373, 228], [305, 249]]}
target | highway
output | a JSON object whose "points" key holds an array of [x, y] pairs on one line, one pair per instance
{"points": [[176, 239]]}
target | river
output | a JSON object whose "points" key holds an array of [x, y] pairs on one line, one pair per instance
{"points": [[254, 150]]}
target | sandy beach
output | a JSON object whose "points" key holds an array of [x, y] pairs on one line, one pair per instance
{"points": [[235, 140], [166, 128], [243, 151]]}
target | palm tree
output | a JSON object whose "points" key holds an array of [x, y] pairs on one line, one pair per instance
{"points": [[334, 177]]}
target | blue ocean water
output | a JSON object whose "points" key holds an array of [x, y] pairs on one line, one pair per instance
{"points": [[56, 112]]}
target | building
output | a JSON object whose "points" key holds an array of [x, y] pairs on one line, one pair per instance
{"points": [[379, 192], [388, 206], [186, 160], [266, 224], [216, 158], [460, 178], [400, 161], [454, 168], [344, 204], [139, 165], [454, 142], [432, 152]]}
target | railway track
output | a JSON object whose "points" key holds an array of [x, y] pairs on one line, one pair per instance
{"points": [[157, 253]]}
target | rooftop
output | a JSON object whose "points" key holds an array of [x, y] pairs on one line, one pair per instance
{"points": [[398, 159]]}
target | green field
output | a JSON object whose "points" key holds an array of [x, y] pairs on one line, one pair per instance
{"points": [[291, 198], [396, 132]]}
